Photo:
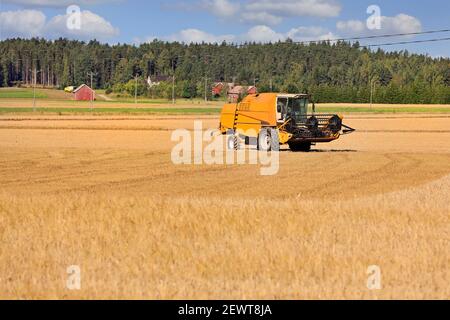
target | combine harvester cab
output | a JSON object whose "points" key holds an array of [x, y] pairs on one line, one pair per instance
{"points": [[271, 119]]}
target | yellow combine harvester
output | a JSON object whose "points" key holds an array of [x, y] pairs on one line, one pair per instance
{"points": [[273, 119]]}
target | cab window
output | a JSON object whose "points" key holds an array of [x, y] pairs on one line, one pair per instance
{"points": [[282, 104], [298, 108]]}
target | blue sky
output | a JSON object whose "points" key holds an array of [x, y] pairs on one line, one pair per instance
{"points": [[135, 21]]}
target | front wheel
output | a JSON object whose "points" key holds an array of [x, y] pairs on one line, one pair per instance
{"points": [[300, 146]]}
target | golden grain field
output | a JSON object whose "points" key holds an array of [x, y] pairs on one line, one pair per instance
{"points": [[103, 194]]}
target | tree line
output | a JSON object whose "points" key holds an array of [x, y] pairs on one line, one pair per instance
{"points": [[332, 72]]}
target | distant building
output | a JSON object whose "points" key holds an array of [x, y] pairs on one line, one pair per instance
{"points": [[217, 89], [238, 91], [252, 90], [69, 89], [234, 93], [84, 93], [230, 86], [156, 80]]}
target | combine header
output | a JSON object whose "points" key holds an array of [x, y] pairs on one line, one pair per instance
{"points": [[273, 119]]}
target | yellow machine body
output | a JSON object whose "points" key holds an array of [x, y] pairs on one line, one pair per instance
{"points": [[285, 113]]}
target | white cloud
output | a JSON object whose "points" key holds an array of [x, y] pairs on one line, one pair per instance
{"points": [[33, 23], [267, 12], [262, 34], [92, 26], [21, 23], [260, 17], [310, 34], [56, 3], [221, 8], [351, 26], [197, 36], [259, 34], [401, 23], [296, 8]]}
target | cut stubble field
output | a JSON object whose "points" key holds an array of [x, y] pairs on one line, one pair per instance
{"points": [[102, 193]]}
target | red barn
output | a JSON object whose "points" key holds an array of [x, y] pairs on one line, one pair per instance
{"points": [[84, 93], [217, 89]]}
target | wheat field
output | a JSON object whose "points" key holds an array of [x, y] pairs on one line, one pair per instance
{"points": [[103, 195]]}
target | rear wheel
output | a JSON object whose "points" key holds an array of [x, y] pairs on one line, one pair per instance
{"points": [[269, 140], [300, 146]]}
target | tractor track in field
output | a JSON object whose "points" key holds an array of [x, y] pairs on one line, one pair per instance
{"points": [[143, 175], [69, 169], [136, 160], [164, 180]]}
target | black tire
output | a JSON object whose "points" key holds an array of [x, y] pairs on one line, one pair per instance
{"points": [[268, 140], [275, 140], [300, 146], [264, 141]]}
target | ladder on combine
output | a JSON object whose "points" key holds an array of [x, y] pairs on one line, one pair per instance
{"points": [[236, 116]]}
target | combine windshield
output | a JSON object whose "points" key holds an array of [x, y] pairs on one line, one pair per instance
{"points": [[298, 109]]}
